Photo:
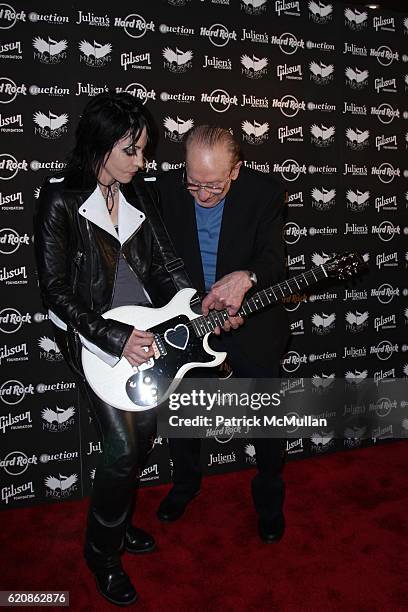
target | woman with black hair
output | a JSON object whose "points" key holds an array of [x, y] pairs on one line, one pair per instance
{"points": [[96, 250]]}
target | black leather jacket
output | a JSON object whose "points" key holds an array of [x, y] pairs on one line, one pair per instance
{"points": [[76, 263]]}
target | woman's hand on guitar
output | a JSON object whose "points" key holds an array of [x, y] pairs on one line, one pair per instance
{"points": [[139, 347]]}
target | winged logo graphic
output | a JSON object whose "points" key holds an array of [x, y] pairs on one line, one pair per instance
{"points": [[179, 126], [321, 439], [325, 195], [254, 63], [254, 3], [324, 320], [323, 381], [356, 377], [356, 318], [353, 15], [50, 121], [96, 49], [63, 482], [48, 345], [320, 69], [354, 74], [357, 136], [359, 197], [52, 47], [60, 415], [318, 8], [322, 132], [319, 260], [250, 450], [255, 129], [177, 56]]}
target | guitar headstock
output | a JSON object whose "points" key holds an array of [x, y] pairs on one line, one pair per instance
{"points": [[344, 265]]}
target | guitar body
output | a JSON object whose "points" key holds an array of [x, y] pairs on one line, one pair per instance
{"points": [[147, 386]]}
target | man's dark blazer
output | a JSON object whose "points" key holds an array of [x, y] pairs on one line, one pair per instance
{"points": [[250, 239]]}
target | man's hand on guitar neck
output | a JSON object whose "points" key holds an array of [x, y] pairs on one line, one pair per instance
{"points": [[139, 347], [228, 293]]}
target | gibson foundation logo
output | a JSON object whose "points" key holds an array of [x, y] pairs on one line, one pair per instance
{"points": [[23, 491], [49, 51], [357, 139], [254, 133], [94, 54], [386, 259], [386, 142], [323, 324], [384, 23], [176, 60], [323, 199], [177, 129], [254, 67], [287, 134], [22, 420], [322, 135], [319, 12], [355, 20], [388, 85], [254, 7], [59, 419], [294, 72], [355, 78], [356, 321], [287, 8], [139, 61], [50, 126], [320, 73], [11, 50]]}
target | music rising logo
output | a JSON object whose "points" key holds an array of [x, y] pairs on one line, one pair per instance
{"points": [[357, 139], [59, 419], [356, 321], [255, 133], [60, 487], [319, 12], [49, 51], [357, 201], [323, 199], [253, 7], [321, 135], [254, 67], [95, 55], [355, 78], [320, 73], [355, 20], [177, 129], [177, 61], [323, 324], [50, 126]]}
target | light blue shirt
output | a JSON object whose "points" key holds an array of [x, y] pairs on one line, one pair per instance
{"points": [[208, 227]]}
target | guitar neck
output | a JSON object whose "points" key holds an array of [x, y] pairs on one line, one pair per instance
{"points": [[203, 325]]}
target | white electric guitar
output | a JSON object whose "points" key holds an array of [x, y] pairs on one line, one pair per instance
{"points": [[181, 339]]}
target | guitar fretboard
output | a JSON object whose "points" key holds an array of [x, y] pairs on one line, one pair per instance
{"points": [[203, 325]]}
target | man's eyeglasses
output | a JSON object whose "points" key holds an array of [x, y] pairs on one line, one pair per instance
{"points": [[214, 189]]}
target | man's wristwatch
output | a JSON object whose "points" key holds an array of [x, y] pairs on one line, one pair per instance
{"points": [[252, 278]]}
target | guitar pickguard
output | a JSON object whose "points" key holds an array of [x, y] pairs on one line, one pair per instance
{"points": [[147, 387]]}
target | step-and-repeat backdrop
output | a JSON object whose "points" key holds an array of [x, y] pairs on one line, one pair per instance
{"points": [[316, 92]]}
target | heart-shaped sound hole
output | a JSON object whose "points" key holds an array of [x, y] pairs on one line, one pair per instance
{"points": [[177, 336]]}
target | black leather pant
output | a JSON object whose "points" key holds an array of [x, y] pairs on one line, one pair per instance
{"points": [[268, 487], [127, 438]]}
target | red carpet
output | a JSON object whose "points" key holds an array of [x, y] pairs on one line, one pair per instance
{"points": [[345, 546]]}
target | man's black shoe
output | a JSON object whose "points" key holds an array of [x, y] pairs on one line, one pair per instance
{"points": [[114, 584], [271, 530], [170, 510], [138, 541]]}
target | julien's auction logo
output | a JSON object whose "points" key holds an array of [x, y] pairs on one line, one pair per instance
{"points": [[323, 199], [357, 139], [254, 133], [49, 51], [321, 73], [320, 12], [321, 135], [50, 126], [355, 78], [95, 55], [177, 61], [253, 7], [254, 67], [177, 128], [355, 19], [357, 200]]}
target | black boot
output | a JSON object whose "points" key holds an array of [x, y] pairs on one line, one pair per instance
{"points": [[114, 584]]}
